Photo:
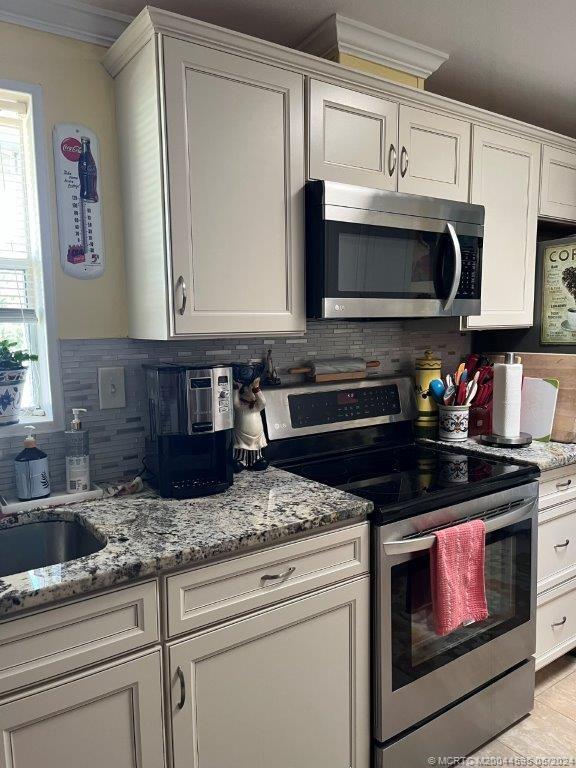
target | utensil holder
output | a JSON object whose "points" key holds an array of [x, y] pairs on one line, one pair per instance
{"points": [[453, 422]]}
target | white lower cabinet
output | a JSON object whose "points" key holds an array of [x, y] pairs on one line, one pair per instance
{"points": [[109, 718], [286, 687]]}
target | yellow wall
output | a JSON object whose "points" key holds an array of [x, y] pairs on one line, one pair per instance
{"points": [[364, 65], [76, 88]]}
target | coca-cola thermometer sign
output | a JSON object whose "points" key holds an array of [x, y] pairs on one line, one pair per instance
{"points": [[78, 183]]}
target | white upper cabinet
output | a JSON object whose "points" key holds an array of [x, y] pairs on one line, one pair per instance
{"points": [[505, 178], [236, 178], [558, 184], [434, 154], [353, 137]]}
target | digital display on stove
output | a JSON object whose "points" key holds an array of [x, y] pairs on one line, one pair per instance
{"points": [[311, 409], [346, 398]]}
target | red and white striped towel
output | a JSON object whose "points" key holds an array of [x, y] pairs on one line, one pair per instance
{"points": [[457, 576]]}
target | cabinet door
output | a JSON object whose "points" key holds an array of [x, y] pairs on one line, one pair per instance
{"points": [[505, 175], [112, 717], [235, 148], [353, 137], [558, 185], [434, 154], [285, 688]]}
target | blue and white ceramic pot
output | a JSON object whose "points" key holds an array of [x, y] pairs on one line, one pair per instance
{"points": [[11, 389]]}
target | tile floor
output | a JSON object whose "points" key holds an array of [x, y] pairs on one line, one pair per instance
{"points": [[550, 730]]}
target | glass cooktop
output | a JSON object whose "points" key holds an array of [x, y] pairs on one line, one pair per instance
{"points": [[403, 480]]}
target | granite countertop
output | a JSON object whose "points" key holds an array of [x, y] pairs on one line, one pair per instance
{"points": [[147, 535], [544, 455]]}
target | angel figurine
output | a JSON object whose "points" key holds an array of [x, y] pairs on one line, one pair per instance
{"points": [[249, 436]]}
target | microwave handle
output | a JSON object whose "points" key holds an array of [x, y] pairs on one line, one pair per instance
{"points": [[457, 266], [408, 546]]}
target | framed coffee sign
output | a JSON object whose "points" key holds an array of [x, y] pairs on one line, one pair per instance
{"points": [[558, 258]]}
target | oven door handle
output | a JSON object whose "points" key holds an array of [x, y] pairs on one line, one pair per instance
{"points": [[457, 267], [408, 546]]}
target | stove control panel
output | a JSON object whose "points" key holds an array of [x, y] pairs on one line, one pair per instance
{"points": [[311, 409]]}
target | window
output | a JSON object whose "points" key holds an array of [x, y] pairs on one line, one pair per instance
{"points": [[25, 270]]}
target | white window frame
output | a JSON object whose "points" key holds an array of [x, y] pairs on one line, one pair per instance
{"points": [[41, 184]]}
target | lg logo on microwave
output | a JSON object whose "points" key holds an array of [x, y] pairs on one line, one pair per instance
{"points": [[339, 307]]}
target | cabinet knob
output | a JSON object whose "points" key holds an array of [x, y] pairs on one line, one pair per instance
{"points": [[391, 159], [559, 623], [403, 162], [277, 578], [182, 701], [180, 284], [566, 484]]}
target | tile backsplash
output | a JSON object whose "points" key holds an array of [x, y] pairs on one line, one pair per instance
{"points": [[117, 435]]}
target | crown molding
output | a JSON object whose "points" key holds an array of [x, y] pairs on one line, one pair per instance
{"points": [[338, 34], [70, 18]]}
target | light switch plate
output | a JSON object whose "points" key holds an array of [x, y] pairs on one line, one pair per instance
{"points": [[111, 388]]}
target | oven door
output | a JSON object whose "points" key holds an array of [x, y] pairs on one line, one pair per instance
{"points": [[418, 672], [399, 266]]}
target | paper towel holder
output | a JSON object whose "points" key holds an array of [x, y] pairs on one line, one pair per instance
{"points": [[520, 441], [499, 441]]}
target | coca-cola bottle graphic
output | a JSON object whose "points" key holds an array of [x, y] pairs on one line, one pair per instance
{"points": [[87, 173]]}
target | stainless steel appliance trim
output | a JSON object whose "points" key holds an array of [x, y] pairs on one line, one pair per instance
{"points": [[277, 411], [400, 709], [180, 283], [333, 308], [365, 198], [391, 159], [423, 543], [465, 727], [414, 222], [457, 267], [206, 404]]}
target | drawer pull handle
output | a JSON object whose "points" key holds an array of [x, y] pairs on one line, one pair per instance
{"points": [[559, 623], [561, 546], [566, 484], [181, 284], [277, 578], [182, 701]]}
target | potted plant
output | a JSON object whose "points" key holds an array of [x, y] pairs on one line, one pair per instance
{"points": [[12, 378]]}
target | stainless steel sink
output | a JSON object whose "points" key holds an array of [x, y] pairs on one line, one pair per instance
{"points": [[47, 542]]}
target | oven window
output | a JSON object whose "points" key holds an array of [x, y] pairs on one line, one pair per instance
{"points": [[416, 649], [383, 262]]}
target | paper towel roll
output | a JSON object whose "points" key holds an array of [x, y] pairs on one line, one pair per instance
{"points": [[507, 399]]}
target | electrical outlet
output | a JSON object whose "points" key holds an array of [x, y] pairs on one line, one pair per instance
{"points": [[111, 388]]}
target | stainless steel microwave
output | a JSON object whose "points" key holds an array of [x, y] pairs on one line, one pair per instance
{"points": [[374, 254]]}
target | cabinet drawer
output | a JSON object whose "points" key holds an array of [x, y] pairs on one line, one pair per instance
{"points": [[557, 486], [557, 547], [216, 592], [556, 622], [59, 640]]}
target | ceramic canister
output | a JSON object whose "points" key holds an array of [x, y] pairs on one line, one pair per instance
{"points": [[426, 368]]}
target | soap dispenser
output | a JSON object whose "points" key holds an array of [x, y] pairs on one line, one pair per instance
{"points": [[32, 474], [77, 455]]}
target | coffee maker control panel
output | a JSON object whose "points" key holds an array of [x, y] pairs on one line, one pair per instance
{"points": [[209, 399]]}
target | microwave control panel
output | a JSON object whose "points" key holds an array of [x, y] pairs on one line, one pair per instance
{"points": [[469, 287], [311, 409]]}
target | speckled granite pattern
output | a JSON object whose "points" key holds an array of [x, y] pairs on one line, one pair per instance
{"points": [[543, 455], [147, 535]]}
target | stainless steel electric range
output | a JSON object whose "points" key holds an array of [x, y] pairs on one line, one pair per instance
{"points": [[432, 696]]}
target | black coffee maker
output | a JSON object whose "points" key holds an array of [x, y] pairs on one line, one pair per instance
{"points": [[189, 451]]}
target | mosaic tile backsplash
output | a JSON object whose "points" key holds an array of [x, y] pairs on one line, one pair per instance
{"points": [[117, 435]]}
